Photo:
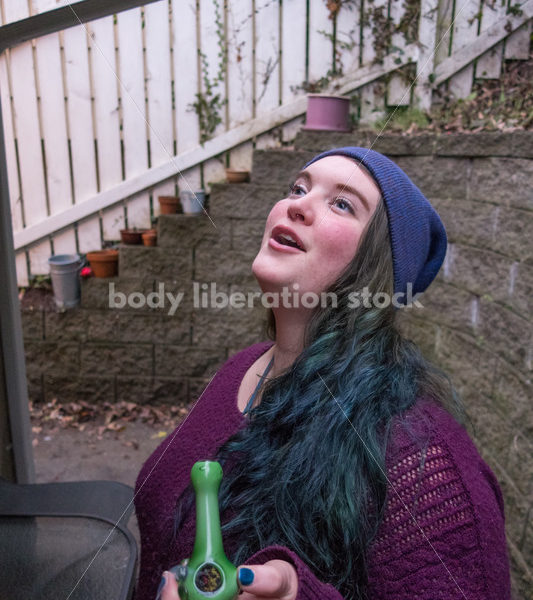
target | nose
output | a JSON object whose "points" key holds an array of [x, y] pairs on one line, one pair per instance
{"points": [[301, 209]]}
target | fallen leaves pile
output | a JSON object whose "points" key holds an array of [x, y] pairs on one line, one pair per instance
{"points": [[102, 417], [504, 104]]}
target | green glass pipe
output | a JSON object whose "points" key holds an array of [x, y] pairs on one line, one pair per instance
{"points": [[207, 573]]}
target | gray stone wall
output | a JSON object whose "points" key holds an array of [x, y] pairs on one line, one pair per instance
{"points": [[476, 322]]}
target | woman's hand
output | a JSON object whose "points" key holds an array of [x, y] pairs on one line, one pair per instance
{"points": [[275, 579]]}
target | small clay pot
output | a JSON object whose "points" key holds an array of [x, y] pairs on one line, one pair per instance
{"points": [[237, 175], [169, 205], [104, 263], [131, 236], [150, 237]]}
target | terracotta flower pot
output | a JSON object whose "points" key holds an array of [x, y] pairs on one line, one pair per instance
{"points": [[131, 236], [327, 113], [168, 204], [237, 175], [150, 237], [104, 263]]}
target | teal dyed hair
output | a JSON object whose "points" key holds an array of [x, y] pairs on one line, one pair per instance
{"points": [[309, 470]]}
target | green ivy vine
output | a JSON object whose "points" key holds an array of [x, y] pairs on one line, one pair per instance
{"points": [[209, 102]]}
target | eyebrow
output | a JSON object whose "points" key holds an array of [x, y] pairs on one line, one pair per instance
{"points": [[339, 187]]}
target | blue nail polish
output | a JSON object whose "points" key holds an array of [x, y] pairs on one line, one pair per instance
{"points": [[162, 584], [246, 576]]}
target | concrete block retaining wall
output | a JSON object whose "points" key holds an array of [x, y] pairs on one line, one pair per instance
{"points": [[476, 322]]}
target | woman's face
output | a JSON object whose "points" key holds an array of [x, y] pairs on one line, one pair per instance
{"points": [[312, 235]]}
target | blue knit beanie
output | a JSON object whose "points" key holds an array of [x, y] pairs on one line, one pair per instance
{"points": [[418, 237]]}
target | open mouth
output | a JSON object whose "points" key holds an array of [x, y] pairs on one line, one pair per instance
{"points": [[286, 238]]}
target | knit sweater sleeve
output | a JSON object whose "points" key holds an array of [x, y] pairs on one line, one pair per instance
{"points": [[443, 533], [442, 536]]}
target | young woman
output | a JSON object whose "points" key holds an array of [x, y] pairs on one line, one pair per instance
{"points": [[346, 473]]}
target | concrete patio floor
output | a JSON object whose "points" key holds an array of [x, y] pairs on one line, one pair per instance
{"points": [[73, 455]]}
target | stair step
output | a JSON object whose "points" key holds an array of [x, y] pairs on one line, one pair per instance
{"points": [[235, 212], [95, 291], [185, 231], [245, 200], [278, 167], [390, 144], [159, 263]]}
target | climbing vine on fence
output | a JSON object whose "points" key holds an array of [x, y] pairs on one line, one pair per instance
{"points": [[377, 20], [209, 102]]}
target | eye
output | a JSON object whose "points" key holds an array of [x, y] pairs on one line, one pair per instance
{"points": [[343, 205], [297, 190]]}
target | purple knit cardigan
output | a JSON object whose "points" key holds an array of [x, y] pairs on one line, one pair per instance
{"points": [[443, 532]]}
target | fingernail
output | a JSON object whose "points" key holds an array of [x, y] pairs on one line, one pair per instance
{"points": [[246, 576], [162, 584]]}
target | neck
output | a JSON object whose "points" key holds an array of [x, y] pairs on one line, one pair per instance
{"points": [[290, 333]]}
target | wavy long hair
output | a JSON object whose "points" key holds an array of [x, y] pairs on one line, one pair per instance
{"points": [[309, 469]]}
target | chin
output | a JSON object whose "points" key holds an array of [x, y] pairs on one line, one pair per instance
{"points": [[269, 280], [271, 284], [261, 270]]}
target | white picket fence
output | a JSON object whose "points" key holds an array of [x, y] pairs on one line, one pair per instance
{"points": [[97, 118]]}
